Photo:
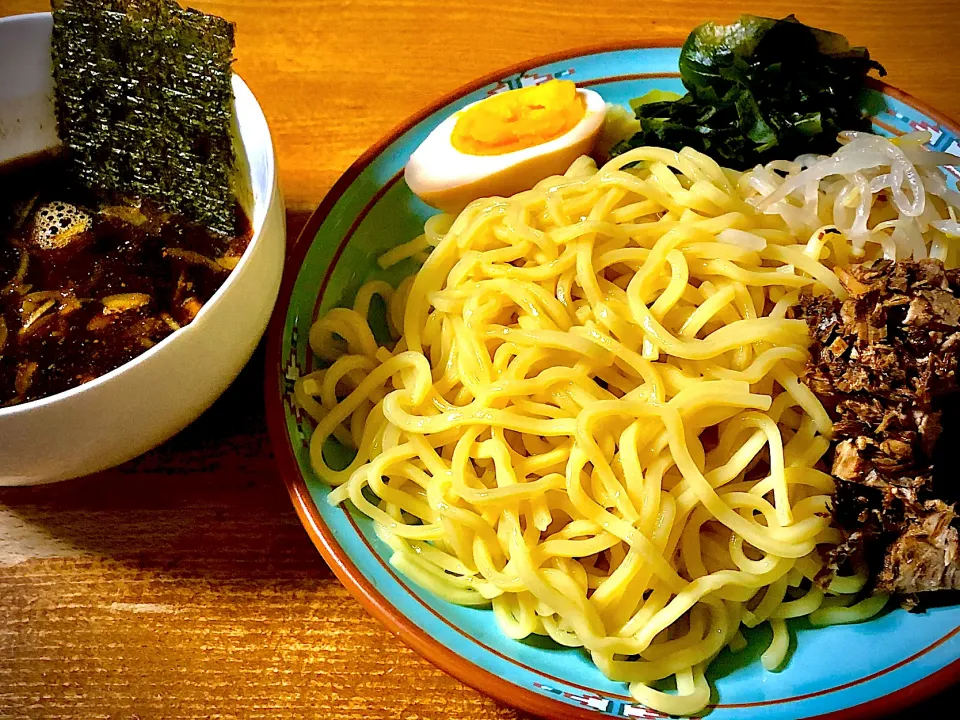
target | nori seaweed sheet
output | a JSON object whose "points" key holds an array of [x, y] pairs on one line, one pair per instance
{"points": [[144, 103]]}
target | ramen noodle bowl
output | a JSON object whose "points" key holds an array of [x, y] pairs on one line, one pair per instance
{"points": [[589, 416]]}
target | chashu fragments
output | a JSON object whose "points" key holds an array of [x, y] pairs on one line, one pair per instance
{"points": [[884, 363]]}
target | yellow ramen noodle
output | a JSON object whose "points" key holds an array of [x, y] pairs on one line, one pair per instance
{"points": [[591, 420]]}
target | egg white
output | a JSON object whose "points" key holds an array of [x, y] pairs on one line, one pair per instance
{"points": [[442, 176]]}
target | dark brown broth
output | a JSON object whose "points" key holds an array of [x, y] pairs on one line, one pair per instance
{"points": [[155, 272]]}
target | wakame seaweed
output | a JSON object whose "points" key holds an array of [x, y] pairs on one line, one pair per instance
{"points": [[759, 90], [144, 103]]}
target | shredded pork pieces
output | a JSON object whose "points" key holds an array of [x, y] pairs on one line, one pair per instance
{"points": [[884, 363]]}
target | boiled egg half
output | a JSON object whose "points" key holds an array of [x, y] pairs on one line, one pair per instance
{"points": [[505, 144]]}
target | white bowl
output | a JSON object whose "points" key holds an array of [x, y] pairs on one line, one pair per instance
{"points": [[142, 403]]}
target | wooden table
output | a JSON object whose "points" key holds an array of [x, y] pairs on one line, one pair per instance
{"points": [[181, 585]]}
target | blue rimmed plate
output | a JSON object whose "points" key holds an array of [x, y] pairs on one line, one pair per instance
{"points": [[846, 671]]}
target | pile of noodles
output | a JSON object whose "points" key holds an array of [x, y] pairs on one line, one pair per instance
{"points": [[589, 415]]}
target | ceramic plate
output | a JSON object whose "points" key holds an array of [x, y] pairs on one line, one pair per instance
{"points": [[847, 671]]}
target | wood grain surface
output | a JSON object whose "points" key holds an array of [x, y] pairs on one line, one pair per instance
{"points": [[181, 585]]}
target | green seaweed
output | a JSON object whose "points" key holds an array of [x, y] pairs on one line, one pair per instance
{"points": [[144, 103], [759, 90]]}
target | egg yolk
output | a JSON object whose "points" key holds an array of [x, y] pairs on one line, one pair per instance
{"points": [[519, 119]]}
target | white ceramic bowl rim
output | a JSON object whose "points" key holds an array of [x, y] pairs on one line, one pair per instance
{"points": [[242, 95]]}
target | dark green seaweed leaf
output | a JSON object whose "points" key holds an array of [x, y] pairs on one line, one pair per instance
{"points": [[758, 90], [144, 103]]}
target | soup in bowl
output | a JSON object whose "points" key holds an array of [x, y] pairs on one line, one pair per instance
{"points": [[121, 325]]}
